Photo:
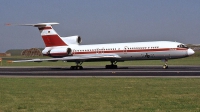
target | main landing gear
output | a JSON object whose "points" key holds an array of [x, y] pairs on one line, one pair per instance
{"points": [[77, 67], [165, 66], [112, 66]]}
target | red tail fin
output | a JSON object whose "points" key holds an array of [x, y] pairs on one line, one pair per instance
{"points": [[49, 35]]}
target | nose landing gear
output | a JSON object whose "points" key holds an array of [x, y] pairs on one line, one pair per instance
{"points": [[165, 66]]}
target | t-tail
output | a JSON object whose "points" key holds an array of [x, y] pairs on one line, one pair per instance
{"points": [[49, 35]]}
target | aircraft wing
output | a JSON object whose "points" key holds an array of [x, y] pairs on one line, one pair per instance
{"points": [[75, 58]]}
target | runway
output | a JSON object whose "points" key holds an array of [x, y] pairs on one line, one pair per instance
{"points": [[131, 71]]}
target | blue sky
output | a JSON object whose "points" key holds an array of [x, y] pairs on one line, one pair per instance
{"points": [[100, 21]]}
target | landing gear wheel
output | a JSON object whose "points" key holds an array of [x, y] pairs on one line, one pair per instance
{"points": [[165, 66], [76, 67], [111, 66]]}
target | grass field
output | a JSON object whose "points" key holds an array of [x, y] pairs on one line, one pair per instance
{"points": [[99, 94]]}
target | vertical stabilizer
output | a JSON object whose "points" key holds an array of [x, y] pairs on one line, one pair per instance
{"points": [[49, 35]]}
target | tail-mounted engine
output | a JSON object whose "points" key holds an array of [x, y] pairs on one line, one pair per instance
{"points": [[72, 40], [58, 52]]}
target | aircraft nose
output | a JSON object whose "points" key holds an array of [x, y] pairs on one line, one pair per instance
{"points": [[190, 52]]}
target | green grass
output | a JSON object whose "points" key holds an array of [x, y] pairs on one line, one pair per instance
{"points": [[99, 94]]}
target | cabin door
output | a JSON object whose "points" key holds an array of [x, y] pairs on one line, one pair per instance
{"points": [[125, 49]]}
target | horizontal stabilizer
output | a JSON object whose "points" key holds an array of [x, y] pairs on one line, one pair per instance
{"points": [[35, 25], [40, 24]]}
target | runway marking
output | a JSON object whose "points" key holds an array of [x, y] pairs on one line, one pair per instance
{"points": [[106, 72], [135, 72], [84, 71], [90, 72], [17, 76]]}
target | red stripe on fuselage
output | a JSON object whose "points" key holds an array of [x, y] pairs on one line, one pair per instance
{"points": [[53, 40], [120, 51]]}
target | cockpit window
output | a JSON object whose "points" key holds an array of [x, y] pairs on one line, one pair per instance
{"points": [[182, 46]]}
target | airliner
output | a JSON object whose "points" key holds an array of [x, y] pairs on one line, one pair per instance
{"points": [[68, 49]]}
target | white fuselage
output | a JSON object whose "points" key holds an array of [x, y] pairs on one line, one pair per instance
{"points": [[127, 51]]}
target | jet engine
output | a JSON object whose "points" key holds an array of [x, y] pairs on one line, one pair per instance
{"points": [[72, 40], [58, 52]]}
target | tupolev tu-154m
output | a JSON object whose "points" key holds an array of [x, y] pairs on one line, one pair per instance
{"points": [[68, 49]]}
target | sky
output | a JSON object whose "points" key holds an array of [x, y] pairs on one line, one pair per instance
{"points": [[100, 21]]}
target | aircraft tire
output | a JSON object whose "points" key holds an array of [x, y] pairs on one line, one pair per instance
{"points": [[111, 66], [165, 66], [76, 67]]}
